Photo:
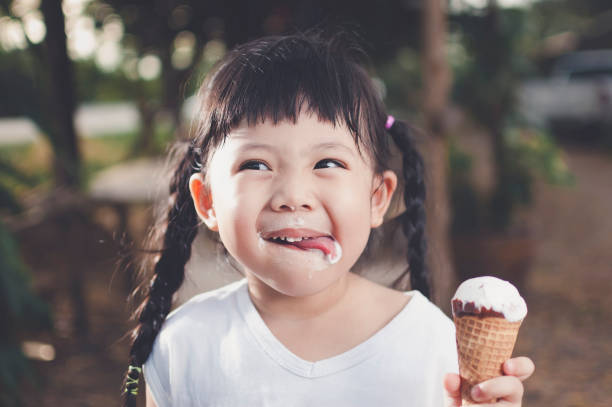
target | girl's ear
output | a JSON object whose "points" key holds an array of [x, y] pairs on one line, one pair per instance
{"points": [[381, 197], [202, 200]]}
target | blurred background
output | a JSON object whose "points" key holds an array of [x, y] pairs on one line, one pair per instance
{"points": [[513, 97]]}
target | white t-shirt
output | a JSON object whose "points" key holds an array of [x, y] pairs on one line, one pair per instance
{"points": [[216, 350]]}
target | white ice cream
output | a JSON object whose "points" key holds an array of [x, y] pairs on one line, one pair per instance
{"points": [[494, 294], [338, 250]]}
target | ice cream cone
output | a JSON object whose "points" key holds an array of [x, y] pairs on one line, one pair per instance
{"points": [[483, 345]]}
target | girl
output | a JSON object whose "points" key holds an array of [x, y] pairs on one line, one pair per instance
{"points": [[289, 165]]}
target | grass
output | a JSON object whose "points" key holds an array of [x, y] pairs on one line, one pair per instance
{"points": [[34, 161], [31, 162], [103, 152]]}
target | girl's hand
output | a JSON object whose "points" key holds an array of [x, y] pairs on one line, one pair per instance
{"points": [[508, 390]]}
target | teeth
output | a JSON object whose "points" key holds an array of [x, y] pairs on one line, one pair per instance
{"points": [[290, 239]]}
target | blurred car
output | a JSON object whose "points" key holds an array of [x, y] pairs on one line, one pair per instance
{"points": [[577, 96]]}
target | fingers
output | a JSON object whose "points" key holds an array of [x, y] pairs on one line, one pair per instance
{"points": [[452, 385], [507, 388], [521, 367]]}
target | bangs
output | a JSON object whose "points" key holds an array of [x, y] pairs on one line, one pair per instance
{"points": [[277, 78]]}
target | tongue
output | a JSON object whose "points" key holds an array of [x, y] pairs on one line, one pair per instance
{"points": [[325, 244]]}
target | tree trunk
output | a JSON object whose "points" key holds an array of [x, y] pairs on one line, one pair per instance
{"points": [[60, 104], [60, 97], [145, 141], [437, 79]]}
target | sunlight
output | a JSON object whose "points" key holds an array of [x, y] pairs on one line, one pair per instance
{"points": [[112, 30], [20, 8], [214, 50], [184, 45], [463, 5], [34, 26], [74, 7], [38, 350], [11, 34], [149, 67], [81, 36], [108, 56]]}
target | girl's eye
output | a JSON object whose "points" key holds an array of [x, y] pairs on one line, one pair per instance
{"points": [[254, 165], [329, 163]]}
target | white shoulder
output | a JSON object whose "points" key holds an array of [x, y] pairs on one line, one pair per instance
{"points": [[209, 310], [433, 316], [189, 335], [430, 326], [439, 329]]}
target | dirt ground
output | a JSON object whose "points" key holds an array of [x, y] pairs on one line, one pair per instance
{"points": [[568, 331]]}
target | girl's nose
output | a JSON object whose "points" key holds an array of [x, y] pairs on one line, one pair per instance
{"points": [[292, 195]]}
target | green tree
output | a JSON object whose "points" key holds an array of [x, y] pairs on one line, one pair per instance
{"points": [[20, 309], [54, 102]]}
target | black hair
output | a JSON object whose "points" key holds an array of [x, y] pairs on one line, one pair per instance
{"points": [[276, 78]]}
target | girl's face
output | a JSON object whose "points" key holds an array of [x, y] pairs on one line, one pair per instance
{"points": [[305, 182]]}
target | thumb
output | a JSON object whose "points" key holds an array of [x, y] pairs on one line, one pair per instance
{"points": [[452, 385]]}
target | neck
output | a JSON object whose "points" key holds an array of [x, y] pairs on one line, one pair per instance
{"points": [[272, 304]]}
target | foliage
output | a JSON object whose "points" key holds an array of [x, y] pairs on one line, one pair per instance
{"points": [[465, 203], [496, 60], [94, 85], [23, 167], [20, 94], [8, 177], [20, 309], [531, 154], [495, 44], [403, 80], [536, 150]]}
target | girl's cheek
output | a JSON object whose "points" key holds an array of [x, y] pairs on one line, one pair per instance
{"points": [[349, 188], [245, 180], [250, 180]]}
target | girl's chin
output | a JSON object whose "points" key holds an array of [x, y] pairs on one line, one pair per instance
{"points": [[297, 280], [295, 286]]}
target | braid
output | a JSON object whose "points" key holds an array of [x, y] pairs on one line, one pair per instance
{"points": [[413, 219], [169, 271]]}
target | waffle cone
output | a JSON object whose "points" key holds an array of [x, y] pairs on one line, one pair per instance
{"points": [[483, 345]]}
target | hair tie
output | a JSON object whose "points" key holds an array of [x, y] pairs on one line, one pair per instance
{"points": [[390, 121], [133, 376]]}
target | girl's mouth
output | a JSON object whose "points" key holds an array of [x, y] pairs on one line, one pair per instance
{"points": [[324, 243]]}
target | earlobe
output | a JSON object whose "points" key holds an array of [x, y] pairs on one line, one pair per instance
{"points": [[202, 201], [381, 197]]}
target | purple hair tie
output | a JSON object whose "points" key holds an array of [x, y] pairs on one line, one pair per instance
{"points": [[390, 121]]}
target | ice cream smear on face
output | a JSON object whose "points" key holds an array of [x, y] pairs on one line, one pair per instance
{"points": [[306, 240], [489, 296]]}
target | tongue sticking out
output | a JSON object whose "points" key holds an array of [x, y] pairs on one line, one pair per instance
{"points": [[327, 245]]}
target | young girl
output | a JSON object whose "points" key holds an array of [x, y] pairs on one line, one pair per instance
{"points": [[289, 165]]}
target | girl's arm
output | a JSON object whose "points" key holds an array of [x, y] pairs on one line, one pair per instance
{"points": [[150, 401], [508, 389]]}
